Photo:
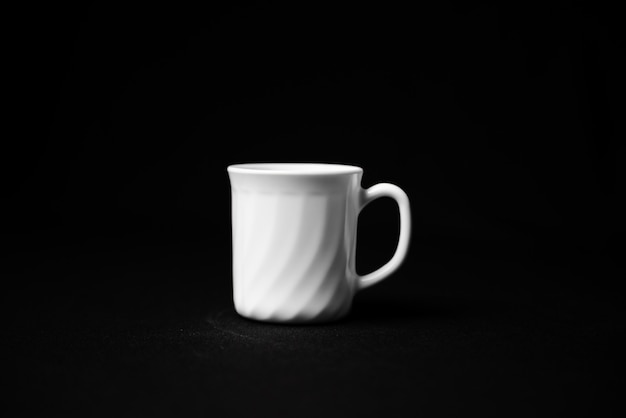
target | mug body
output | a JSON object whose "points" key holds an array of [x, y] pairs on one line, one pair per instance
{"points": [[294, 238]]}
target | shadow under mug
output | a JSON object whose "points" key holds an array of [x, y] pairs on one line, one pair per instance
{"points": [[294, 239]]}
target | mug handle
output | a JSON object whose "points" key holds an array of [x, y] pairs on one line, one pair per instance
{"points": [[397, 194]]}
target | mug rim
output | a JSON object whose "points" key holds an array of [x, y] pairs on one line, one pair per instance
{"points": [[294, 168]]}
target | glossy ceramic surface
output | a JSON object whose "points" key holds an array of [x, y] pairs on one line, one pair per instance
{"points": [[294, 239]]}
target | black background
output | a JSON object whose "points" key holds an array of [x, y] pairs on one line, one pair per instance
{"points": [[503, 123]]}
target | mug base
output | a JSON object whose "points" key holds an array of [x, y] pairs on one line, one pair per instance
{"points": [[297, 319]]}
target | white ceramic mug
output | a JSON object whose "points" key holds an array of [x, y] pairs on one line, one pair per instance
{"points": [[294, 239]]}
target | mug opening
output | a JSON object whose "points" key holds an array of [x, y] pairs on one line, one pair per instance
{"points": [[294, 168]]}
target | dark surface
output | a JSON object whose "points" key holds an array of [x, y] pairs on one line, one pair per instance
{"points": [[151, 331], [503, 123]]}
